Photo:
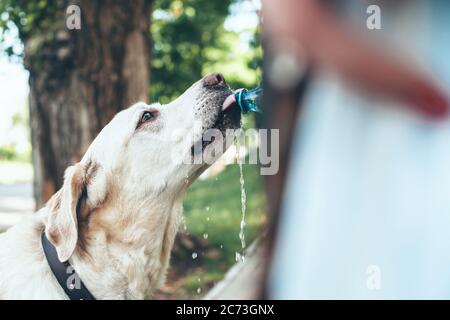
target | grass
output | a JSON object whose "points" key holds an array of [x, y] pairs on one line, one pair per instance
{"points": [[213, 207], [212, 214]]}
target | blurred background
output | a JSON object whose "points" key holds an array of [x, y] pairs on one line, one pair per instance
{"points": [[59, 87]]}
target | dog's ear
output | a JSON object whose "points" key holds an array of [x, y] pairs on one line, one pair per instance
{"points": [[62, 224]]}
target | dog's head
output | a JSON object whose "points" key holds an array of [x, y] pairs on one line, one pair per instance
{"points": [[145, 152]]}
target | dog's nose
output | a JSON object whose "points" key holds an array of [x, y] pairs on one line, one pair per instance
{"points": [[214, 79]]}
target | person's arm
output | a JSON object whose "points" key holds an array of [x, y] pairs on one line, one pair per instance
{"points": [[328, 43]]}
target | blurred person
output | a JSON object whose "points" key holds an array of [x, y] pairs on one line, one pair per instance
{"points": [[365, 211]]}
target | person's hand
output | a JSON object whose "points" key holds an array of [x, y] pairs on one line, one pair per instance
{"points": [[327, 43]]}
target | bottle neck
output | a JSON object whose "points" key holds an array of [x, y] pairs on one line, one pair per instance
{"points": [[249, 101]]}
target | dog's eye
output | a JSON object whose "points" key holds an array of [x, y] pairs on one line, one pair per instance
{"points": [[146, 116]]}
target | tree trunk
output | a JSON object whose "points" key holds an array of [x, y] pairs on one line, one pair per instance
{"points": [[79, 79]]}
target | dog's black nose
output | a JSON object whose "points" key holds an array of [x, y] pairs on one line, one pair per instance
{"points": [[213, 79]]}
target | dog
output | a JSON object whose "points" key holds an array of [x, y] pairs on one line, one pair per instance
{"points": [[116, 216]]}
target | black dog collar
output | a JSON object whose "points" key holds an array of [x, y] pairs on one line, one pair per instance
{"points": [[66, 275]]}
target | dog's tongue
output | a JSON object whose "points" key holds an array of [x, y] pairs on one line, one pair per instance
{"points": [[230, 100]]}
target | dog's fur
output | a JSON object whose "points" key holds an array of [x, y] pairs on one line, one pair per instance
{"points": [[116, 216]]}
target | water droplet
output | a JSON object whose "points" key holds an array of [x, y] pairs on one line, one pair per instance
{"points": [[205, 236], [207, 208], [221, 246], [199, 290], [239, 257], [183, 222], [194, 255]]}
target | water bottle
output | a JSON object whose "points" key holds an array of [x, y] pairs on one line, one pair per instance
{"points": [[249, 100]]}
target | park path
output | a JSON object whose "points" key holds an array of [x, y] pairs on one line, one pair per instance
{"points": [[16, 200]]}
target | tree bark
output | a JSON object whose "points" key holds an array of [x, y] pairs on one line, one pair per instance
{"points": [[79, 79]]}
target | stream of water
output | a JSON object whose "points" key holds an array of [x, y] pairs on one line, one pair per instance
{"points": [[240, 256]]}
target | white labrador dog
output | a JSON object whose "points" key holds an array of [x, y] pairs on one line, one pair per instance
{"points": [[116, 216]]}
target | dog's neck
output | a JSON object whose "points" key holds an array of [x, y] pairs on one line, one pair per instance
{"points": [[123, 253]]}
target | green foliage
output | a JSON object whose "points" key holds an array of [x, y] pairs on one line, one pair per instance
{"points": [[7, 152], [189, 41], [21, 118], [29, 17]]}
